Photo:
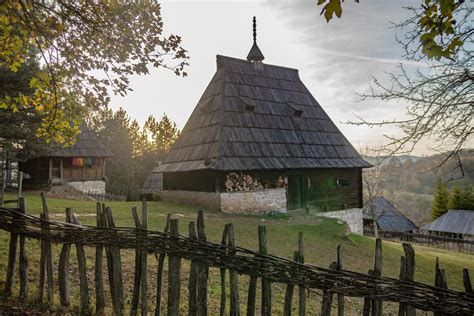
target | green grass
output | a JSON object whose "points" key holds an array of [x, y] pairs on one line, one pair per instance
{"points": [[321, 236]]}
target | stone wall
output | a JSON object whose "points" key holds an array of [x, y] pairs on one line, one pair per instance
{"points": [[254, 202], [93, 186], [209, 200], [250, 202], [352, 217]]}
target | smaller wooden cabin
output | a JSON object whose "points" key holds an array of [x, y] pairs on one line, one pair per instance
{"points": [[81, 165], [454, 224], [386, 216]]}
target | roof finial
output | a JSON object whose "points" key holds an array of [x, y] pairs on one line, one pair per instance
{"points": [[254, 30], [255, 55]]}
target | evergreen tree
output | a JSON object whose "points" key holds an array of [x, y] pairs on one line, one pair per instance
{"points": [[441, 200], [136, 149], [455, 199], [19, 130], [467, 197]]}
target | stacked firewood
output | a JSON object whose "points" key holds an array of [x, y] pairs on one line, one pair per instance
{"points": [[242, 182]]}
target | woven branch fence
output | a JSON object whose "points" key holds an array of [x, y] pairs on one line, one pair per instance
{"points": [[203, 254]]}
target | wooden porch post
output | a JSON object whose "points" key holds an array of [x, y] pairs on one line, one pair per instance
{"points": [[50, 170], [61, 172], [103, 167], [84, 169]]}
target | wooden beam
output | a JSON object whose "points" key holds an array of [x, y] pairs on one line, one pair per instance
{"points": [[83, 169], [50, 170], [61, 171]]}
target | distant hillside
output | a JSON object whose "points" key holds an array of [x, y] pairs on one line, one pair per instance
{"points": [[388, 160], [409, 181]]}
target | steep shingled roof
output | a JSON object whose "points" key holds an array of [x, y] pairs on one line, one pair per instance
{"points": [[388, 217], [87, 145], [258, 116]]}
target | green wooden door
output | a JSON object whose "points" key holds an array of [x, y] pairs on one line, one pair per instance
{"points": [[295, 196]]}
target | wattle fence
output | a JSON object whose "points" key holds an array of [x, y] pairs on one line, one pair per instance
{"points": [[232, 261]]}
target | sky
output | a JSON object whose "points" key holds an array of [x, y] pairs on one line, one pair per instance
{"points": [[336, 60]]}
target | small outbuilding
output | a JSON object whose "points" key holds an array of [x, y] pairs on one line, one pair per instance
{"points": [[81, 165], [258, 141], [386, 216], [454, 224]]}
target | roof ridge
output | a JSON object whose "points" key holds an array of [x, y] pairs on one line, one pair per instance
{"points": [[250, 63]]}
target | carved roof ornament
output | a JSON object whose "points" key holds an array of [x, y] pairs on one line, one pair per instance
{"points": [[255, 54]]}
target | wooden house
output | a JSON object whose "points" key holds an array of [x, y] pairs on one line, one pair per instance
{"points": [[453, 223], [81, 165], [387, 217], [258, 123]]}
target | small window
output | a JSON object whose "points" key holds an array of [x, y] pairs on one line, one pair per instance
{"points": [[248, 104], [297, 110], [249, 108], [342, 182], [297, 113]]}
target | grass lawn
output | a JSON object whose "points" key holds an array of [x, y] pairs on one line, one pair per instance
{"points": [[321, 236]]}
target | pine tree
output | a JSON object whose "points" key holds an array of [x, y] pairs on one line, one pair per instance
{"points": [[455, 199], [441, 199], [467, 197]]}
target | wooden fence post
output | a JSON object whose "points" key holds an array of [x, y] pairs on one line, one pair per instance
{"points": [[82, 267], [301, 288], [252, 295], [63, 269], [203, 269], [42, 265], [340, 296], [114, 264], [233, 277], [98, 268], [367, 300], [289, 291], [159, 273], [193, 275], [23, 260], [409, 270], [467, 281], [48, 253], [326, 304], [402, 307], [224, 242], [377, 308], [138, 267], [144, 264], [174, 274], [10, 277], [266, 285]]}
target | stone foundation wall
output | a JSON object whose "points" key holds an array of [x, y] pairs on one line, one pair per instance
{"points": [[209, 200], [352, 217], [95, 186], [250, 202], [254, 202]]}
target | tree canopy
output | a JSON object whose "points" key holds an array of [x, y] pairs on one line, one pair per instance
{"points": [[88, 49], [438, 97], [137, 149], [436, 30]]}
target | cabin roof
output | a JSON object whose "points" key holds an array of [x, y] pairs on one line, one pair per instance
{"points": [[453, 221], [87, 145], [388, 218], [153, 183], [259, 116]]}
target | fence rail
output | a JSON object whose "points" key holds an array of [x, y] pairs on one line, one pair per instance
{"points": [[457, 244], [202, 254]]}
